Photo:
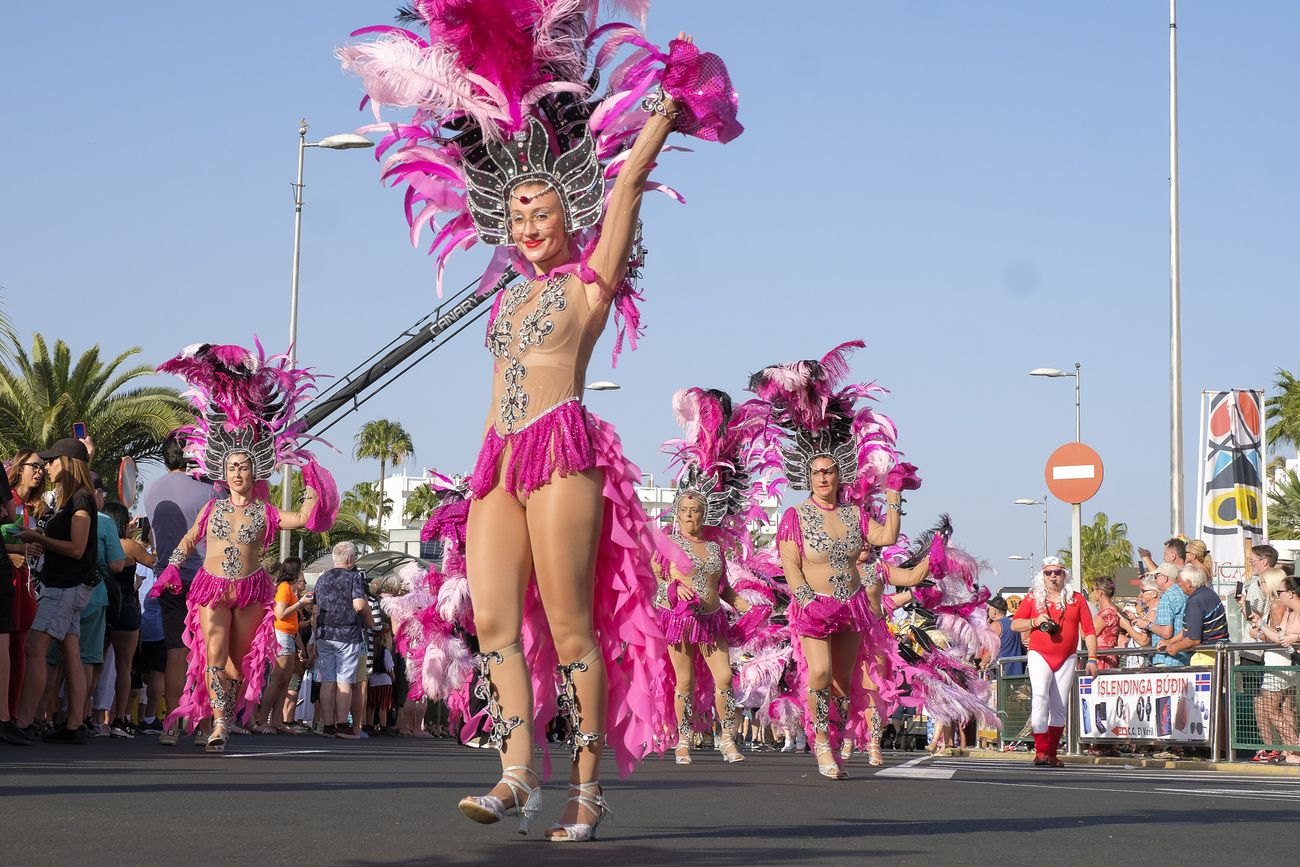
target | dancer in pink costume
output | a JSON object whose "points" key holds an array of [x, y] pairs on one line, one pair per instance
{"points": [[717, 498], [941, 626], [245, 428], [846, 457], [505, 148]]}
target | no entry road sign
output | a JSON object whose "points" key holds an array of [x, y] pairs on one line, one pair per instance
{"points": [[1074, 473]]}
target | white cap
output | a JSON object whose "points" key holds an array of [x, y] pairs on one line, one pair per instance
{"points": [[1052, 561]]}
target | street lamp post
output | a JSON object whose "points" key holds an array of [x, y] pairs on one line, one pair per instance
{"points": [[603, 385], [1026, 557], [344, 141], [1076, 509], [1043, 502]]}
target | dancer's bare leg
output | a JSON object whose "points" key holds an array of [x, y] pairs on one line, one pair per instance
{"points": [[564, 524], [718, 660], [817, 655], [682, 657], [499, 563], [215, 624]]}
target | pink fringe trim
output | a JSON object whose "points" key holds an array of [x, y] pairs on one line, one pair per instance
{"points": [[557, 442], [826, 615], [685, 623], [208, 590]]}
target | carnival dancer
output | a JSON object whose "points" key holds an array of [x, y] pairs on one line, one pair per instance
{"points": [[1054, 615], [715, 501], [505, 146], [941, 626], [245, 427], [845, 456]]}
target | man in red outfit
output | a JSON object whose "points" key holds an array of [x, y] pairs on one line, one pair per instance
{"points": [[1053, 616]]}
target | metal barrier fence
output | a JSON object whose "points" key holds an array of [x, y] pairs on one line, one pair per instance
{"points": [[1253, 707]]}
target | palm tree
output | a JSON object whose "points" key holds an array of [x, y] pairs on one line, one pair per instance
{"points": [[359, 502], [1283, 411], [1284, 507], [1105, 548], [348, 527], [42, 394], [420, 503], [384, 441]]}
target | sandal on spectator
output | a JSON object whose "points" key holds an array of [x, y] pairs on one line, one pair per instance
{"points": [[264, 729]]}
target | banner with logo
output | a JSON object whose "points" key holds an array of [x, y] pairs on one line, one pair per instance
{"points": [[1231, 496], [1172, 706]]}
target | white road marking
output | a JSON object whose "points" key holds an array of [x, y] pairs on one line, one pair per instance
{"points": [[279, 753], [1260, 796], [909, 770]]}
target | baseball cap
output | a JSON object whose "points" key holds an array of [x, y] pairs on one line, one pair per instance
{"points": [[67, 448], [1053, 561], [999, 603], [1169, 570]]}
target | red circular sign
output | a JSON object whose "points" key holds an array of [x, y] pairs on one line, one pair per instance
{"points": [[1074, 473]]}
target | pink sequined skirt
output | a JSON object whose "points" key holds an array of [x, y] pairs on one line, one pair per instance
{"points": [[557, 442], [826, 615], [685, 623]]}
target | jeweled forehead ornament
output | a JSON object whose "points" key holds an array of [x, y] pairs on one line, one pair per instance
{"points": [[527, 157]]}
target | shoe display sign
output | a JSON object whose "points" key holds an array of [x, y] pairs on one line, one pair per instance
{"points": [[1162, 706]]}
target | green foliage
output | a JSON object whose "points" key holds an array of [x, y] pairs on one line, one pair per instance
{"points": [[1282, 411], [1105, 548], [1284, 507], [384, 441], [420, 503], [43, 393], [348, 526]]}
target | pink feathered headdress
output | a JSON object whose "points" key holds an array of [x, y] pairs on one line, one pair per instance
{"points": [[819, 418]]}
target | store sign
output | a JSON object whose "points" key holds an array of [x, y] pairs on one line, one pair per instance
{"points": [[1170, 705]]}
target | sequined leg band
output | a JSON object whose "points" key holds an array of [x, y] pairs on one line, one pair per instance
{"points": [[821, 710], [483, 690], [842, 708], [224, 694], [729, 713], [686, 717], [567, 699], [874, 730]]}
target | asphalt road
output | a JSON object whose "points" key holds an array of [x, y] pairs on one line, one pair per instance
{"points": [[310, 801]]}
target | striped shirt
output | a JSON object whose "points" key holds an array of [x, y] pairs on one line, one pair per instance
{"points": [[1204, 618]]}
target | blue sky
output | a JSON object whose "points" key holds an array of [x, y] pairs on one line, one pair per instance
{"points": [[974, 188]]}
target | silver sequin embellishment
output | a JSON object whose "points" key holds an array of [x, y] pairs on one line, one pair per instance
{"points": [[700, 569], [842, 553], [533, 331]]}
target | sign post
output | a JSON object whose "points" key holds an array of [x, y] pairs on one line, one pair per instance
{"points": [[1074, 473]]}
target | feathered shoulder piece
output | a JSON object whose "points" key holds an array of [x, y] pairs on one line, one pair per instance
{"points": [[503, 93], [722, 456], [818, 416], [244, 401]]}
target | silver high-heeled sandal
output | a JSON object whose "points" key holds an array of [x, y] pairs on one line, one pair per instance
{"points": [[582, 832], [488, 809], [822, 726], [683, 748], [728, 739]]}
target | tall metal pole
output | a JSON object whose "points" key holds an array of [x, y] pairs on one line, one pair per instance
{"points": [[1076, 510], [286, 474], [1175, 295], [1045, 502]]}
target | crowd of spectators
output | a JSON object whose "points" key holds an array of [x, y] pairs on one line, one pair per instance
{"points": [[86, 651]]}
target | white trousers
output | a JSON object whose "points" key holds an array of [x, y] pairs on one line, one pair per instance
{"points": [[1050, 691]]}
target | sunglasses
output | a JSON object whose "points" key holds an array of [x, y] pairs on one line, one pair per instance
{"points": [[1053, 571]]}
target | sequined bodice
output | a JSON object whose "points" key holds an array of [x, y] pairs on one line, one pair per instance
{"points": [[834, 549], [541, 341], [242, 531], [706, 572]]}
